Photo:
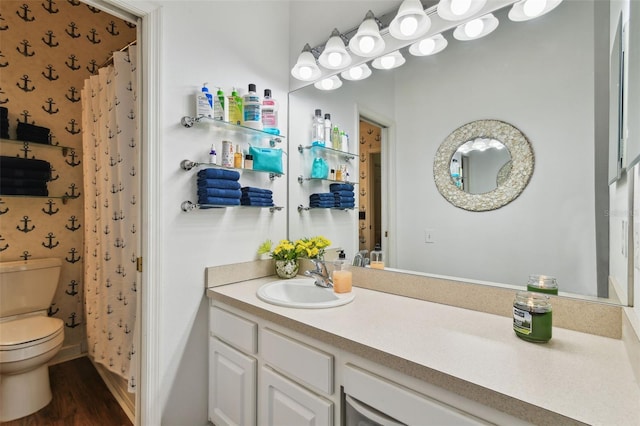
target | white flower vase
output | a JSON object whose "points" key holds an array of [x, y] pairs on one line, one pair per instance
{"points": [[287, 268]]}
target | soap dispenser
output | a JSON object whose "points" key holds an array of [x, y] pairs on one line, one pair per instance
{"points": [[376, 259], [341, 277]]}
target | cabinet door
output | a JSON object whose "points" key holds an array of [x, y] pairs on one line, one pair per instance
{"points": [[285, 403], [232, 386]]}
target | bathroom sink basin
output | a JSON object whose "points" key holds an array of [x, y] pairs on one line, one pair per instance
{"points": [[302, 293]]}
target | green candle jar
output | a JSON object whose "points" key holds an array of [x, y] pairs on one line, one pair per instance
{"points": [[542, 284], [532, 316]]}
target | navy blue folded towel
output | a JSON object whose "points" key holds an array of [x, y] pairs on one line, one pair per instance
{"points": [[24, 163], [322, 196], [343, 193], [259, 197], [212, 173], [345, 199], [256, 190], [220, 201], [218, 192], [264, 203], [345, 205], [341, 187], [256, 194], [218, 183]]}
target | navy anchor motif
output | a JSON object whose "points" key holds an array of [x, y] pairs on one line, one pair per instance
{"points": [[49, 7], [73, 284], [25, 228], [25, 13], [73, 226], [50, 245], [49, 40], [73, 258], [25, 86], [50, 210], [73, 323], [49, 75], [25, 48]]}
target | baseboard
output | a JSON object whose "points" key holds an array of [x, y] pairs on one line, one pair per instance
{"points": [[118, 388], [631, 339], [67, 353]]}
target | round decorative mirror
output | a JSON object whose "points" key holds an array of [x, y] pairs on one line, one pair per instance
{"points": [[483, 165]]}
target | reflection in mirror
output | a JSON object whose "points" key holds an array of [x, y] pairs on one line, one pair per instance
{"points": [[479, 165], [549, 78]]}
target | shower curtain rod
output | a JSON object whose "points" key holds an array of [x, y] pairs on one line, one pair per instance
{"points": [[110, 60]]}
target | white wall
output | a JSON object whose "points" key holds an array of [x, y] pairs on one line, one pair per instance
{"points": [[227, 44]]}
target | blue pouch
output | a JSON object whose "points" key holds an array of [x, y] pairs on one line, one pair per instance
{"points": [[267, 159], [319, 169]]}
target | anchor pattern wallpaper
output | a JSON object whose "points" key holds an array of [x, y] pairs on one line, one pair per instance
{"points": [[47, 49], [370, 142]]}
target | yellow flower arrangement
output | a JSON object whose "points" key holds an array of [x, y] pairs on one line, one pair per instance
{"points": [[291, 250]]}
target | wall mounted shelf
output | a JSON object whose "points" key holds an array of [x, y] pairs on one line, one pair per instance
{"points": [[64, 198], [347, 156], [65, 149], [188, 206], [301, 180], [188, 121], [188, 165], [302, 208]]}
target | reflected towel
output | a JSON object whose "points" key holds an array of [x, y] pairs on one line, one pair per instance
{"points": [[218, 183], [9, 172], [343, 193], [345, 205], [341, 187], [264, 203], [219, 201], [212, 173], [33, 133], [260, 197], [217, 192], [322, 196], [345, 199], [24, 163], [257, 190]]}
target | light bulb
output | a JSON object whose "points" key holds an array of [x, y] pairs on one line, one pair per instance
{"points": [[533, 8], [427, 46], [334, 59], [408, 25], [388, 61], [356, 73], [474, 28], [366, 44], [327, 84], [305, 72], [460, 7]]}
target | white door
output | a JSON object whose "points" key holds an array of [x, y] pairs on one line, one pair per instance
{"points": [[285, 403], [232, 386]]}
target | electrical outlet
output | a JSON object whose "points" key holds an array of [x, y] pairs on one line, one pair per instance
{"points": [[429, 236]]}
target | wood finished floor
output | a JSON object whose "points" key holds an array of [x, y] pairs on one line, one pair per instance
{"points": [[80, 398]]}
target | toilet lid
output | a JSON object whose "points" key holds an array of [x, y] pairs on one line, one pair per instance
{"points": [[28, 329]]}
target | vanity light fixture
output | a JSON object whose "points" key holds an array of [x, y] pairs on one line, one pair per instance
{"points": [[476, 28], [306, 68], [389, 61], [457, 10], [428, 46], [356, 73], [529, 9], [410, 22], [335, 55], [367, 42], [329, 83]]}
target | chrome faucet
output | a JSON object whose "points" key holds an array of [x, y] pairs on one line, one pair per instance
{"points": [[321, 275], [361, 259]]}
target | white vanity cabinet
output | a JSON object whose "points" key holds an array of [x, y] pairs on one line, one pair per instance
{"points": [[268, 374]]}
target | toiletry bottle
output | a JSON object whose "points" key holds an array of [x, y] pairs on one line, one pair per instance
{"points": [[248, 161], [344, 142], [336, 141], [270, 113], [227, 154], [339, 173], [317, 129], [376, 260], [235, 107], [251, 107], [204, 102], [327, 128], [212, 155], [237, 158], [341, 277], [218, 105]]}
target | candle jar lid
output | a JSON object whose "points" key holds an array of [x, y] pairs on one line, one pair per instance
{"points": [[542, 281], [532, 302]]}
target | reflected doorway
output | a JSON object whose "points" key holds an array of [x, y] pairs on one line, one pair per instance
{"points": [[370, 185]]}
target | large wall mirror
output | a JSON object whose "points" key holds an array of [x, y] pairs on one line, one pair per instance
{"points": [[549, 78]]}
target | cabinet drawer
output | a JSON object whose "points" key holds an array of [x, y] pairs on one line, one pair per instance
{"points": [[401, 403], [235, 330], [302, 362]]}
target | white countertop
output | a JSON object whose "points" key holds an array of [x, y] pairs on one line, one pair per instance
{"points": [[582, 376]]}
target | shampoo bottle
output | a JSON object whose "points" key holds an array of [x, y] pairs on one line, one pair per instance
{"points": [[336, 141], [212, 156], [342, 278], [269, 113], [204, 102], [235, 107], [218, 105], [237, 158], [317, 129], [251, 107], [327, 128]]}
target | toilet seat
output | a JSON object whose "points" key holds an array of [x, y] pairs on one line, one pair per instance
{"points": [[29, 337]]}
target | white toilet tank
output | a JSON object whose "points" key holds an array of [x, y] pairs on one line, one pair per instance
{"points": [[28, 285]]}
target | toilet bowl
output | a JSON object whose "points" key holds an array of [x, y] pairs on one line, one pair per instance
{"points": [[29, 339]]}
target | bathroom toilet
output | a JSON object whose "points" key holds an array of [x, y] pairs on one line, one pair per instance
{"points": [[29, 338]]}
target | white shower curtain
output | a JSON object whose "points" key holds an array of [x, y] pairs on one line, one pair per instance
{"points": [[112, 214]]}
